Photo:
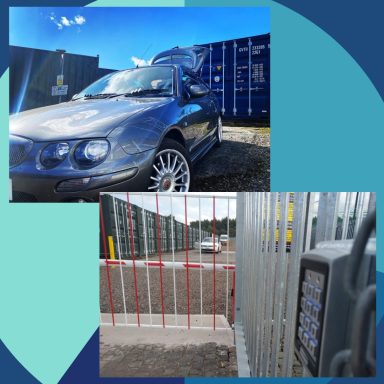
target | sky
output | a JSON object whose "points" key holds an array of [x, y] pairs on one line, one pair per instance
{"points": [[125, 37], [178, 204], [206, 204]]}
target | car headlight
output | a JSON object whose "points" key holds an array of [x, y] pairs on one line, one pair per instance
{"points": [[91, 152], [54, 154]]}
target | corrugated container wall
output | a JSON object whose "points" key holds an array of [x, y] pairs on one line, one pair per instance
{"points": [[116, 216], [33, 72], [238, 71]]}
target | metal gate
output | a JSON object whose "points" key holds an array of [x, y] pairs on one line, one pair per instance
{"points": [[193, 290], [273, 230]]}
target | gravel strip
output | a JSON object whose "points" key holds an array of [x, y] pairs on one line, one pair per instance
{"points": [[168, 291], [241, 163]]}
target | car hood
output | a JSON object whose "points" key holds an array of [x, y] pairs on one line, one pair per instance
{"points": [[207, 244], [79, 119]]}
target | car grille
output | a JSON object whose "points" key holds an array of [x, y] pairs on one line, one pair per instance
{"points": [[22, 197], [18, 150]]}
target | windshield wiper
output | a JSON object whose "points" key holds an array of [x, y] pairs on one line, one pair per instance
{"points": [[139, 92], [99, 95], [142, 92]]}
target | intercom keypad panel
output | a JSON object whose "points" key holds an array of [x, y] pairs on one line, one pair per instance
{"points": [[310, 311]]}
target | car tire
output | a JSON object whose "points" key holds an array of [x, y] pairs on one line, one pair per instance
{"points": [[219, 132], [165, 179]]}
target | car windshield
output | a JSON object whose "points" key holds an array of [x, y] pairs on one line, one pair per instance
{"points": [[224, 236], [209, 240], [146, 81]]}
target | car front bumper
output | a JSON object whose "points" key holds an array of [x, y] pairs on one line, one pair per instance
{"points": [[30, 184], [209, 249]]}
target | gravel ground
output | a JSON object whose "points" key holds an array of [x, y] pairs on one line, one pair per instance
{"points": [[181, 291], [241, 163]]}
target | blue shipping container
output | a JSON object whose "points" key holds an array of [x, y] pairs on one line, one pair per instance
{"points": [[238, 71]]}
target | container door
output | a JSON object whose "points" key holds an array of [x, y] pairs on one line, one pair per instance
{"points": [[214, 72], [260, 77]]}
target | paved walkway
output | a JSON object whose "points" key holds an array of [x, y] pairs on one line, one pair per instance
{"points": [[129, 351], [160, 360]]}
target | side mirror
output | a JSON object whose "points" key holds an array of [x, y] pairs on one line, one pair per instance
{"points": [[198, 90], [74, 96]]}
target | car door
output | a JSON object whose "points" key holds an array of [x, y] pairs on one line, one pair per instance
{"points": [[213, 109], [198, 114]]}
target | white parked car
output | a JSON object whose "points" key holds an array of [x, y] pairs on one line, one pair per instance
{"points": [[224, 239], [207, 245]]}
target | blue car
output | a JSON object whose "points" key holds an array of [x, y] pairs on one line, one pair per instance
{"points": [[140, 129]]}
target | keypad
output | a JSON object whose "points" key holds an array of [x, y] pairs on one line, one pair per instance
{"points": [[317, 295], [310, 311]]}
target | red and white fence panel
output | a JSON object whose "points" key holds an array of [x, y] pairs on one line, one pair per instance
{"points": [[167, 278]]}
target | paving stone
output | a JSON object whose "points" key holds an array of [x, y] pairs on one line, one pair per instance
{"points": [[195, 372], [155, 360], [223, 355]]}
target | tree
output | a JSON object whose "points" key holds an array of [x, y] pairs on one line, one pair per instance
{"points": [[221, 226]]}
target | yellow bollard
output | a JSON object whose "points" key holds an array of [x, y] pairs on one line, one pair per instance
{"points": [[111, 248]]}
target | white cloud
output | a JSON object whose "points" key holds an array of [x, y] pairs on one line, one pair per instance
{"points": [[63, 21], [140, 62], [79, 20], [52, 17]]}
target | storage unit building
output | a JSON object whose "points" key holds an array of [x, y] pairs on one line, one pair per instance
{"points": [[116, 216], [33, 72]]}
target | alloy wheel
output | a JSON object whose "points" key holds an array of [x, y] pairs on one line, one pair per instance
{"points": [[170, 172]]}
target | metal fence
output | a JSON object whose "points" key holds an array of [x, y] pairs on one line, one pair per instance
{"points": [[133, 221], [267, 270]]}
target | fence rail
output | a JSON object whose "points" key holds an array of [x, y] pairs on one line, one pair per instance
{"points": [[168, 265]]}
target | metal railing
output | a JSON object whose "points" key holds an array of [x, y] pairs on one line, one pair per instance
{"points": [[147, 271], [273, 230]]}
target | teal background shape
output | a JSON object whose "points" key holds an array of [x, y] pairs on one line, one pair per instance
{"points": [[49, 274]]}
